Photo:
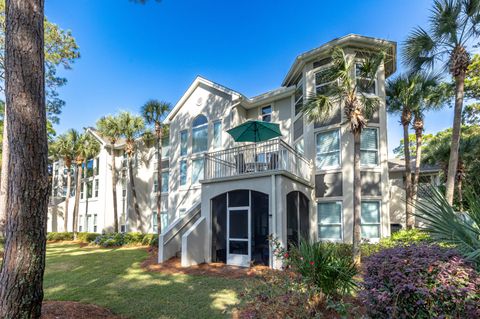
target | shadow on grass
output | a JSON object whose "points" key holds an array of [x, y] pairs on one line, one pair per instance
{"points": [[113, 278]]}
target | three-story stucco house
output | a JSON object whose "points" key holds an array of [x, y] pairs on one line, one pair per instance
{"points": [[221, 199]]}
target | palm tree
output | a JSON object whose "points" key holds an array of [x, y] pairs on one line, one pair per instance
{"points": [[65, 146], [410, 94], [432, 95], [358, 108], [87, 147], [453, 26], [90, 151], [154, 113], [132, 127], [109, 127]]}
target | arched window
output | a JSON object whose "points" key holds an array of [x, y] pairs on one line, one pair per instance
{"points": [[200, 134]]}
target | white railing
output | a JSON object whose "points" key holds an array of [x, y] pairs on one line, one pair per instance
{"points": [[255, 158]]}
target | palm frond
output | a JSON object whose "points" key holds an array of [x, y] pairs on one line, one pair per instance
{"points": [[318, 107], [448, 226], [419, 50], [370, 104], [155, 111], [445, 20]]}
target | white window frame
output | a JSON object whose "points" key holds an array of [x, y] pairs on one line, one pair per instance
{"points": [[375, 87], [95, 228], [341, 224], [266, 114], [186, 143], [180, 173], [154, 219], [370, 150], [214, 145], [319, 70], [338, 130], [300, 83], [96, 186], [379, 224], [201, 158], [197, 128]]}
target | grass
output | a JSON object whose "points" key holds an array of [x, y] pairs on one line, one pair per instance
{"points": [[113, 278]]}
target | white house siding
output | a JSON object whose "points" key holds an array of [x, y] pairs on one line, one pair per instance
{"points": [[218, 103]]}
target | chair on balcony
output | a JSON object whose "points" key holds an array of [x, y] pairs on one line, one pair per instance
{"points": [[273, 161], [240, 163]]}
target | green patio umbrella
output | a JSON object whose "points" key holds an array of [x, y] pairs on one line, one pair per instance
{"points": [[255, 131]]}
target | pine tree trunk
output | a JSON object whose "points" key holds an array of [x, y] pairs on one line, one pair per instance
{"points": [[357, 199], [457, 126], [134, 195], [418, 161], [21, 276], [408, 180], [114, 190], [159, 183], [67, 199], [4, 177], [76, 207]]}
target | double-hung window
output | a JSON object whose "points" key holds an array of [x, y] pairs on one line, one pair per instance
{"points": [[365, 84], [183, 172], [217, 134], [328, 149], [370, 219], [200, 134], [197, 170], [89, 189], [165, 147], [267, 113], [163, 220], [369, 147], [323, 81], [330, 221], [183, 143], [299, 98], [165, 182], [96, 187]]}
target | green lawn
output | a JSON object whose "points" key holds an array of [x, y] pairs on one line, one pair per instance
{"points": [[113, 278]]}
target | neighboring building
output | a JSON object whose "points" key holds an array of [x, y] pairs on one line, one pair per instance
{"points": [[222, 199]]}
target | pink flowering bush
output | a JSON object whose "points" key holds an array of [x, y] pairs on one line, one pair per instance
{"points": [[420, 281]]}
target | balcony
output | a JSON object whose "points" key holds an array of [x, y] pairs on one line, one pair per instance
{"points": [[270, 157]]}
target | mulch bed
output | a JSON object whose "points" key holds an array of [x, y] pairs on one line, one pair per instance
{"points": [[173, 266], [74, 310]]}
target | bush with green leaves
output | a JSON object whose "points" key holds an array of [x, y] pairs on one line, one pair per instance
{"points": [[133, 238], [110, 240], [322, 266], [59, 236], [88, 238], [150, 240]]}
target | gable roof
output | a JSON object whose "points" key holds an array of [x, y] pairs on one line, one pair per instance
{"points": [[348, 40], [200, 80]]}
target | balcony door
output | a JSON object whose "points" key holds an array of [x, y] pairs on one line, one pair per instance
{"points": [[239, 236]]}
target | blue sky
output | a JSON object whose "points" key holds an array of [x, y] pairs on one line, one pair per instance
{"points": [[131, 53]]}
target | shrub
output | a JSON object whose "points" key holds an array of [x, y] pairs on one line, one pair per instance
{"points": [[323, 266], [110, 240], [87, 237], [420, 281], [55, 236], [150, 240], [133, 238]]}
